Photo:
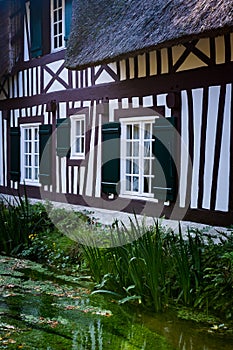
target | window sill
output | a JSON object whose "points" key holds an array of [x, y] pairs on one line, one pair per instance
{"points": [[58, 49], [30, 183], [80, 157], [148, 197]]}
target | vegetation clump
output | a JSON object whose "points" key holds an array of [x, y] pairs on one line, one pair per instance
{"points": [[160, 268]]}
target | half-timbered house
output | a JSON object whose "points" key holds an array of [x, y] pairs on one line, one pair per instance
{"points": [[123, 105]]}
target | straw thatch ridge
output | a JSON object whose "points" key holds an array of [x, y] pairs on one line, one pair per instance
{"points": [[103, 31], [4, 38]]}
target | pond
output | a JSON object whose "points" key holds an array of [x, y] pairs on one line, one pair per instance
{"points": [[43, 310]]}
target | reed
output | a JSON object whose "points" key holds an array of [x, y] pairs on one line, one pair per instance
{"points": [[20, 220], [138, 267]]}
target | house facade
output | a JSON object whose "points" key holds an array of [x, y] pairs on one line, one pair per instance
{"points": [[123, 106]]}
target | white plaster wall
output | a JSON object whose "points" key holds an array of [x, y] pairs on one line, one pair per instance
{"points": [[213, 101], [197, 96], [222, 198]]}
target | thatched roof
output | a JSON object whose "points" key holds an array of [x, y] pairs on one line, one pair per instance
{"points": [[4, 37], [11, 34], [103, 31]]}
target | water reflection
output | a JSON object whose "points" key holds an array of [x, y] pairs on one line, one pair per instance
{"points": [[91, 338], [58, 316], [186, 335]]}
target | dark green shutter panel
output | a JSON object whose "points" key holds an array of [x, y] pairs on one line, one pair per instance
{"points": [[45, 132], [68, 16], [164, 169], [63, 137], [15, 154], [36, 27], [110, 157]]}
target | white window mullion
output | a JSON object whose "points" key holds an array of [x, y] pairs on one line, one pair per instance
{"points": [[123, 158], [141, 157]]}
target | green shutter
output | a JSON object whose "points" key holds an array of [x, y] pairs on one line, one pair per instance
{"points": [[45, 132], [15, 154], [110, 157], [36, 27], [164, 169], [68, 16], [63, 137]]}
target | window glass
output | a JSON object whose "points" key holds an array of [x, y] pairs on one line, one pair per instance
{"points": [[137, 157]]}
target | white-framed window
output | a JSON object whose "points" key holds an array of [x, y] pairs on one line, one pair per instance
{"points": [[30, 153], [57, 24], [78, 130], [137, 156]]}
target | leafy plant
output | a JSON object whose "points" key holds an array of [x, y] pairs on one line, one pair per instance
{"points": [[18, 221], [159, 267]]}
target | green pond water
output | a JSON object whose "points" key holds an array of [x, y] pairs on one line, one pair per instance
{"points": [[43, 310]]}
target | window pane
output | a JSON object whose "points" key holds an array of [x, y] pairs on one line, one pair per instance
{"points": [[136, 131], [147, 148], [147, 132], [82, 145], [129, 132], [36, 134], [135, 184], [55, 29], [30, 173], [78, 128], [136, 149], [55, 17], [128, 149], [128, 166], [77, 146], [60, 27], [60, 41], [36, 174], [36, 160], [128, 183], [147, 167], [136, 166], [60, 14], [146, 185], [36, 147], [82, 127]]}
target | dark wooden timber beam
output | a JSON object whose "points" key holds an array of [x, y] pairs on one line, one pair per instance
{"points": [[201, 77]]}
